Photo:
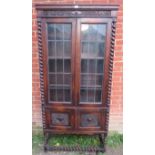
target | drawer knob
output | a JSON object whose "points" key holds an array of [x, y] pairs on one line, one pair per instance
{"points": [[60, 119], [89, 119]]}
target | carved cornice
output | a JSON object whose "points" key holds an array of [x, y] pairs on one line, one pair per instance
{"points": [[75, 14], [90, 11], [62, 7]]}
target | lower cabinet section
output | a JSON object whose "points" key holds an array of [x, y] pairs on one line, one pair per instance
{"points": [[80, 119]]}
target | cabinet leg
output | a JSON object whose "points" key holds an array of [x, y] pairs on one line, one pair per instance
{"points": [[46, 141], [102, 141]]}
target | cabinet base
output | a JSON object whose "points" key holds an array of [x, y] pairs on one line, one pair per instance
{"points": [[75, 148]]}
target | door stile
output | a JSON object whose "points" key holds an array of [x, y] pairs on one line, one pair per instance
{"points": [[106, 64], [77, 70]]}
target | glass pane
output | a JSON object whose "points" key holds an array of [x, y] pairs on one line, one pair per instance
{"points": [[67, 49], [92, 66], [59, 49], [99, 80], [92, 62], [52, 79], [84, 66], [85, 31], [59, 79], [67, 31], [92, 32], [67, 66], [100, 49], [84, 51], [101, 32], [59, 62], [99, 66], [51, 31], [91, 94], [51, 65], [88, 80], [59, 94], [84, 80], [92, 50], [51, 48], [53, 94], [67, 79], [83, 95], [59, 32], [98, 95], [67, 95]]}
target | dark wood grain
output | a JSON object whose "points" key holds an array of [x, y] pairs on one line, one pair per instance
{"points": [[74, 117]]}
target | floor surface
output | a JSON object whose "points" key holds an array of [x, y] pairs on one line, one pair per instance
{"points": [[109, 151]]}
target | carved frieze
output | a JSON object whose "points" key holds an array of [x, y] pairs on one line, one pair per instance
{"points": [[91, 14]]}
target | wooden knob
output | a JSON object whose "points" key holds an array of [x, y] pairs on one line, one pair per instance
{"points": [[60, 119], [89, 119]]}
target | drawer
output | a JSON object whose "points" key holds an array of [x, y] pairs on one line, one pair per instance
{"points": [[60, 118], [94, 119]]}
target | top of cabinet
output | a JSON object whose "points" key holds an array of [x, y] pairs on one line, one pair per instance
{"points": [[75, 10]]}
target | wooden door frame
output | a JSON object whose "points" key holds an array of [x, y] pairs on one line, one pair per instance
{"points": [[108, 23], [45, 21]]}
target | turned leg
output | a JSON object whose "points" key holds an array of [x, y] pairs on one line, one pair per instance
{"points": [[46, 141], [102, 141]]}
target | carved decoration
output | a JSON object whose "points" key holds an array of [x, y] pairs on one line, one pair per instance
{"points": [[60, 119], [74, 14], [88, 120], [41, 72], [110, 70]]}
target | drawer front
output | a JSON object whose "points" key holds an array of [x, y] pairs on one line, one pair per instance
{"points": [[91, 120], [60, 118]]}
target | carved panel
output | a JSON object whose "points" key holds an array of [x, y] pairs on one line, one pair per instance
{"points": [[90, 14], [60, 119], [89, 120]]}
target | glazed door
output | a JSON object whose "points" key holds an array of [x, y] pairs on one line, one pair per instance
{"points": [[92, 55], [77, 54], [59, 50]]}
